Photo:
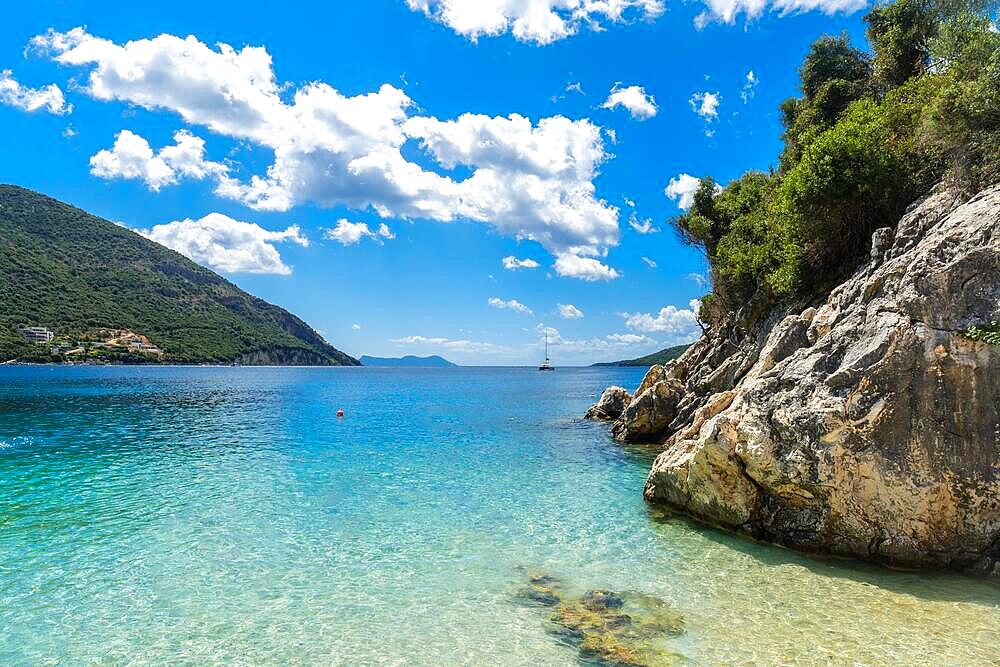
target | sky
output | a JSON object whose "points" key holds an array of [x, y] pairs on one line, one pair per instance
{"points": [[453, 177]]}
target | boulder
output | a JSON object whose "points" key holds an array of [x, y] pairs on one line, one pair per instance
{"points": [[649, 414], [868, 425], [610, 405]]}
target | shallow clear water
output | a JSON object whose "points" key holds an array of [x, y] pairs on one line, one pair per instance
{"points": [[225, 515]]}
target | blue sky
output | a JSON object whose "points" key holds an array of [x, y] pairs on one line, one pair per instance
{"points": [[458, 132]]}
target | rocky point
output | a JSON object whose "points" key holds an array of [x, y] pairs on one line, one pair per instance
{"points": [[865, 425]]}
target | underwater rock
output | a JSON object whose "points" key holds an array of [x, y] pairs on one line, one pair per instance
{"points": [[597, 600], [541, 590], [609, 628]]}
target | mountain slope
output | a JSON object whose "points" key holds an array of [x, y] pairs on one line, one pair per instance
{"points": [[74, 273], [661, 357], [409, 360]]}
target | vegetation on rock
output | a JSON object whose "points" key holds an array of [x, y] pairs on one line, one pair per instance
{"points": [[986, 333], [869, 134]]}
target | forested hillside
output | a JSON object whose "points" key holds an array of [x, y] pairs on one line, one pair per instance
{"points": [[75, 273]]}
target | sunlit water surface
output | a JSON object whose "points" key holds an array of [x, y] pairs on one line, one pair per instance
{"points": [[225, 515]]}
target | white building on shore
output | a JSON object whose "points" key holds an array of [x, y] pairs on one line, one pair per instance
{"points": [[36, 334]]}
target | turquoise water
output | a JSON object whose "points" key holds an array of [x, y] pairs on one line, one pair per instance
{"points": [[225, 515]]}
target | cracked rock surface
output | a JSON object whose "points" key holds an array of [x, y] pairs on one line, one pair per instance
{"points": [[867, 426]]}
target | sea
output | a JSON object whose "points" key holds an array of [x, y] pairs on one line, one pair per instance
{"points": [[216, 515]]}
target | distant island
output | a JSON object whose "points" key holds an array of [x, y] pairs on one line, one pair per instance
{"points": [[77, 288], [661, 357], [433, 361]]}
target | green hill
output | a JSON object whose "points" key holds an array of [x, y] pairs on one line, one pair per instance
{"points": [[76, 274], [661, 357]]}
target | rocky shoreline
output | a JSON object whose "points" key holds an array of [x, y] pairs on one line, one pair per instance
{"points": [[867, 425]]}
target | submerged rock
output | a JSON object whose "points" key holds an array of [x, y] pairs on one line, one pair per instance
{"points": [[867, 426], [619, 629], [610, 405], [610, 628], [542, 589]]}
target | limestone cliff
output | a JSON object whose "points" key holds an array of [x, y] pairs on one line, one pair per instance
{"points": [[866, 426]]}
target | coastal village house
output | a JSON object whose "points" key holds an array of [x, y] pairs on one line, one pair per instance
{"points": [[36, 334]]}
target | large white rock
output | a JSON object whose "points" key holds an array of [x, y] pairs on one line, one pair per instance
{"points": [[868, 426]]}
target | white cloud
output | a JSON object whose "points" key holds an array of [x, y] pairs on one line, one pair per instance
{"points": [[575, 87], [706, 105], [356, 327], [512, 304], [528, 180], [537, 21], [569, 312], [726, 11], [461, 345], [644, 226], [512, 263], [749, 87], [640, 105], [584, 268], [610, 342], [682, 188], [649, 262], [229, 245], [48, 98], [131, 157], [699, 279], [350, 233], [680, 324]]}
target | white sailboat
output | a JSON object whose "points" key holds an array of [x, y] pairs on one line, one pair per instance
{"points": [[546, 365]]}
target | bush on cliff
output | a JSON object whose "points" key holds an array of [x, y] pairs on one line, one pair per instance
{"points": [[869, 134]]}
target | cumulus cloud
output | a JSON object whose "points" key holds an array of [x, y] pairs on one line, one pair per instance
{"points": [[569, 312], [749, 87], [350, 233], [706, 105], [649, 262], [639, 104], [682, 188], [512, 304], [356, 327], [537, 21], [228, 245], [680, 324], [610, 342], [512, 263], [698, 279], [47, 98], [642, 226], [529, 180], [584, 268], [131, 157], [726, 11], [460, 345]]}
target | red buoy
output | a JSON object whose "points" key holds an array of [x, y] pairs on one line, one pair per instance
{"points": [[340, 413]]}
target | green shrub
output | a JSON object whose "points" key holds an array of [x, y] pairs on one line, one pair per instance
{"points": [[986, 333], [869, 135]]}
